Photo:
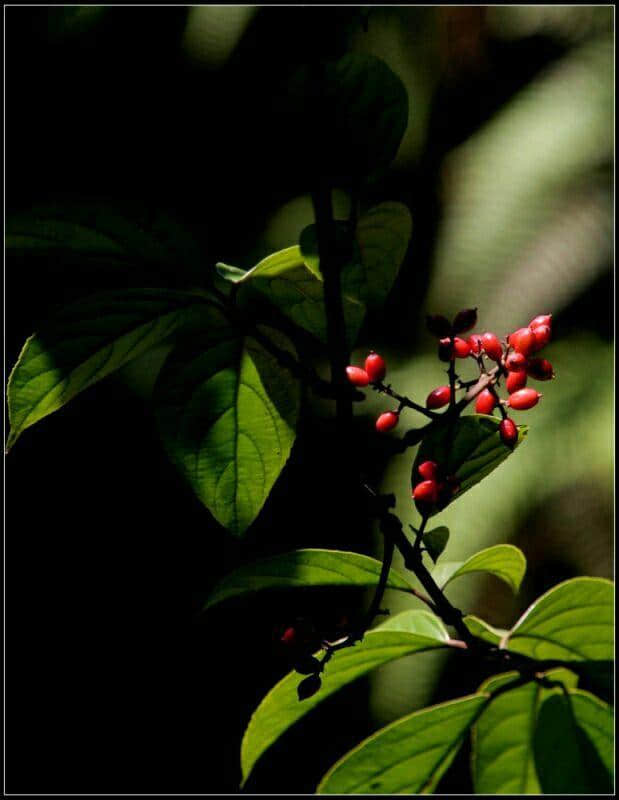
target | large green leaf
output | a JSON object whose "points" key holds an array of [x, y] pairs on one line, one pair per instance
{"points": [[468, 447], [227, 413], [502, 759], [571, 622], [304, 568], [503, 560], [410, 755], [406, 633], [87, 341], [574, 744]]}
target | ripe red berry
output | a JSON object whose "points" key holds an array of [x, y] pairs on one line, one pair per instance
{"points": [[357, 376], [522, 340], [492, 346], [515, 362], [485, 402], [540, 369], [543, 319], [438, 397], [387, 421], [438, 325], [289, 636], [542, 337], [462, 348], [524, 399], [465, 320], [428, 470], [515, 381], [508, 432], [426, 492], [375, 367], [475, 343]]}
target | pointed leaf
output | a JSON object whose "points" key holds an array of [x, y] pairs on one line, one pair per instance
{"points": [[503, 560], [571, 622], [87, 341], [435, 541], [502, 758], [469, 448], [481, 629], [227, 413], [230, 273], [304, 568], [410, 755], [406, 633]]}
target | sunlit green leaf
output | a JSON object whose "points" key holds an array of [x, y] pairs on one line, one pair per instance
{"points": [[409, 756], [481, 629], [435, 541], [304, 568], [406, 633], [87, 341], [503, 560], [227, 413]]}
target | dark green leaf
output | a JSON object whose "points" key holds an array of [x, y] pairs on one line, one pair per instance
{"points": [[435, 541], [304, 568], [409, 756], [406, 633], [503, 560]]}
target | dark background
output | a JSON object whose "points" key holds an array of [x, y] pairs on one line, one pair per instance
{"points": [[115, 682]]}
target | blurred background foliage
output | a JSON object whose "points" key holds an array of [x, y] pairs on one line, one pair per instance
{"points": [[507, 167]]}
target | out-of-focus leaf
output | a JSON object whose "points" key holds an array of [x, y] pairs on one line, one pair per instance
{"points": [[409, 756], [227, 413], [503, 560], [435, 541], [481, 629], [406, 633], [230, 273], [304, 568]]}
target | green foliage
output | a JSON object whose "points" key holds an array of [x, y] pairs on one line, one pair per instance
{"points": [[503, 560], [435, 541]]}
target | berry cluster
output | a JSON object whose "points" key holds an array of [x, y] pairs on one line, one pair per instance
{"points": [[373, 372], [435, 486]]}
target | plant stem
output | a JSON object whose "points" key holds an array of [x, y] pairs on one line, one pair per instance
{"points": [[405, 402]]}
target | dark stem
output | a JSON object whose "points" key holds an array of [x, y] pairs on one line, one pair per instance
{"points": [[382, 582], [405, 402]]}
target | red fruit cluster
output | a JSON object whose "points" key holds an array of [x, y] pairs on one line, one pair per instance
{"points": [[435, 487], [373, 371]]}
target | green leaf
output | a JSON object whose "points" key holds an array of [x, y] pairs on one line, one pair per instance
{"points": [[304, 568], [230, 273], [227, 414], [573, 744], [410, 755], [406, 633], [481, 629], [503, 560], [87, 341], [571, 622], [469, 447], [435, 541], [502, 758]]}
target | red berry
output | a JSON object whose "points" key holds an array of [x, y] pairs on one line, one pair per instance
{"points": [[542, 337], [438, 325], [492, 346], [515, 381], [462, 348], [522, 340], [515, 362], [475, 343], [465, 320], [387, 421], [485, 402], [357, 376], [524, 399], [508, 432], [426, 492], [540, 369], [445, 350], [438, 397], [428, 470], [375, 367], [289, 636], [543, 319]]}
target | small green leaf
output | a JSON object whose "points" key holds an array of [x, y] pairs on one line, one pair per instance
{"points": [[481, 629], [502, 758], [227, 414], [406, 633], [435, 541], [87, 341], [503, 560], [571, 622], [410, 755], [304, 568], [469, 448], [230, 273]]}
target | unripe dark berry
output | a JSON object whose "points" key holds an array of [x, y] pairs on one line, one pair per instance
{"points": [[428, 470], [540, 369], [543, 319], [445, 350], [475, 343], [542, 336], [438, 325], [426, 492], [465, 320], [485, 402], [452, 485], [357, 376], [515, 362], [492, 346], [438, 397], [524, 399], [289, 636], [522, 340], [515, 381], [508, 432], [307, 665], [309, 686], [387, 421], [375, 367]]}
